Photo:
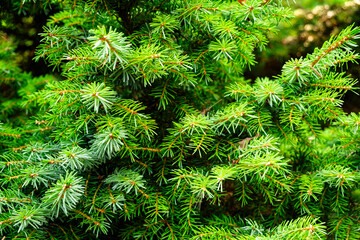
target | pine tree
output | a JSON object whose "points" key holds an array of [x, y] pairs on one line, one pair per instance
{"points": [[153, 132]]}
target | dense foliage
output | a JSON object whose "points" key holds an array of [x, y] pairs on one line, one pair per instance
{"points": [[152, 132]]}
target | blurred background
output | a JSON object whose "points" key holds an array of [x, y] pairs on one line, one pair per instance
{"points": [[313, 23]]}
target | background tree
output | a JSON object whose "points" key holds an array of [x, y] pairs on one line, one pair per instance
{"points": [[152, 132]]}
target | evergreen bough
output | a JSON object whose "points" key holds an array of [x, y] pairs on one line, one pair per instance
{"points": [[152, 132]]}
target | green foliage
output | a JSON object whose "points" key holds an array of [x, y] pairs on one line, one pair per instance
{"points": [[94, 95], [64, 194], [151, 130]]}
